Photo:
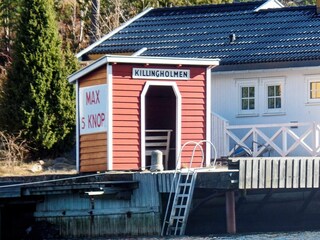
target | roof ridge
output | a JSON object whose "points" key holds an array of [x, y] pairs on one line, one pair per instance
{"points": [[291, 8], [223, 5]]}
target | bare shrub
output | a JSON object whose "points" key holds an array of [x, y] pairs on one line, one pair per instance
{"points": [[14, 150]]}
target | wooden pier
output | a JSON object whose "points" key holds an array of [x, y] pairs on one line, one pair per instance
{"points": [[278, 172], [134, 201]]}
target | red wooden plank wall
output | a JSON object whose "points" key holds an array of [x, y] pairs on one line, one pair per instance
{"points": [[126, 113], [193, 117]]}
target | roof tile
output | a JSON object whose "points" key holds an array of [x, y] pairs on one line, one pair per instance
{"points": [[286, 34]]}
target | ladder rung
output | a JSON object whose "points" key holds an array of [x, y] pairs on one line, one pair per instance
{"points": [[178, 218], [185, 184], [186, 173], [182, 195], [180, 206]]}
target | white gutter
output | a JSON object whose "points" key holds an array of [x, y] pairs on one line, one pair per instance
{"points": [[267, 70], [110, 34]]}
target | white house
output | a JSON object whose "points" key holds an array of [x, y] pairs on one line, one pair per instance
{"points": [[266, 90]]}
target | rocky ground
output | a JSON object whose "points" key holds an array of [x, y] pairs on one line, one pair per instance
{"points": [[42, 167]]}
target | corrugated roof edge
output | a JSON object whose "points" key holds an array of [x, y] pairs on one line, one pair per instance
{"points": [[206, 6], [142, 60], [110, 34], [291, 8]]}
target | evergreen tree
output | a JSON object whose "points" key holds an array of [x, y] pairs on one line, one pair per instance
{"points": [[37, 98]]}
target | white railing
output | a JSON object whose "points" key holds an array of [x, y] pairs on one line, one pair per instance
{"points": [[219, 137], [283, 139]]}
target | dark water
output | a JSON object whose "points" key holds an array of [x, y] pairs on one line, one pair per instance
{"points": [[308, 235]]}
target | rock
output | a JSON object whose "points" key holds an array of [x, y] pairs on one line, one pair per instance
{"points": [[60, 164], [35, 168]]}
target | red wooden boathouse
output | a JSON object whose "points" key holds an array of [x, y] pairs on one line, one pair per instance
{"points": [[120, 98]]}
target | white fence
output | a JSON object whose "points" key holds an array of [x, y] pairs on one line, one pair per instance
{"points": [[284, 139]]}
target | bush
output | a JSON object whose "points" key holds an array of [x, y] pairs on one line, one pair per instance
{"points": [[13, 149], [38, 102]]}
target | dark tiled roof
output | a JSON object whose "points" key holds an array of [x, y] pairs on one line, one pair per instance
{"points": [[274, 35]]}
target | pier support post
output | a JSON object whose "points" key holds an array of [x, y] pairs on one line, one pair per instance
{"points": [[230, 212]]}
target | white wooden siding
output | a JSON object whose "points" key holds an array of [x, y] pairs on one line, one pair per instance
{"points": [[225, 99]]}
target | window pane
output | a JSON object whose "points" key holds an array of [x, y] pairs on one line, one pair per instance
{"points": [[244, 104], [278, 90], [251, 91], [270, 103], [244, 92], [270, 91], [278, 102], [251, 104]]}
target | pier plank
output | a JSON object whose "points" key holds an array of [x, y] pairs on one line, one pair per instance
{"points": [[248, 180], [282, 173], [275, 173], [255, 172], [262, 169], [303, 170], [268, 173], [309, 173], [296, 173], [289, 170], [242, 174], [316, 173]]}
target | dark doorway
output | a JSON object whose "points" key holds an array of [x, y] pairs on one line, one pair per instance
{"points": [[160, 114]]}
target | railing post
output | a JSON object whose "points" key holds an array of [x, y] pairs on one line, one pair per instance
{"points": [[254, 142], [315, 134], [226, 142], [284, 142]]}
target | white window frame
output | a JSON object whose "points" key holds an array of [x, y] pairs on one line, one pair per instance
{"points": [[266, 82], [247, 83], [310, 79]]}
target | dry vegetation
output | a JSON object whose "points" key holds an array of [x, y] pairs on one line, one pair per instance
{"points": [[34, 169], [14, 159]]}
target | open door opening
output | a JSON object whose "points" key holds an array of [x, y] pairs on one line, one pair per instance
{"points": [[161, 120]]}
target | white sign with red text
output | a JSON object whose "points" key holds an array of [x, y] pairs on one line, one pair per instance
{"points": [[93, 109]]}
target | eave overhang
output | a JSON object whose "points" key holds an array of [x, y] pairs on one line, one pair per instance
{"points": [[111, 59]]}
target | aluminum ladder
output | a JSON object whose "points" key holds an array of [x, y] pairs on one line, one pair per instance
{"points": [[181, 203], [181, 193]]}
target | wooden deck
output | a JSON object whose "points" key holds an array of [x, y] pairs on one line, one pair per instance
{"points": [[223, 179], [278, 172]]}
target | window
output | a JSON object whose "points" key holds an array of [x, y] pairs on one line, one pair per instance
{"points": [[247, 98], [273, 95], [313, 89], [247, 95]]}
